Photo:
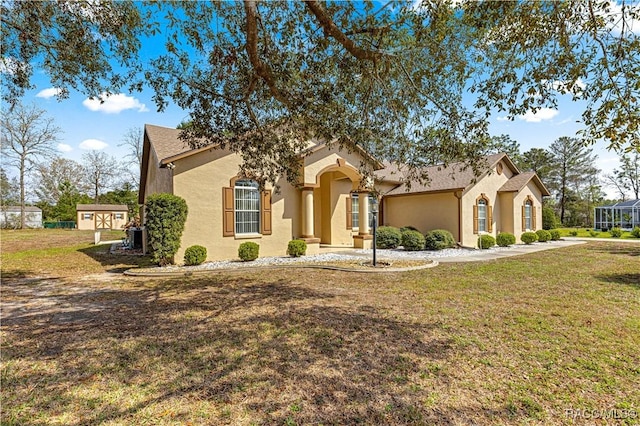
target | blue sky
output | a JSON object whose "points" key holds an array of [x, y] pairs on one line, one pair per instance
{"points": [[88, 125]]}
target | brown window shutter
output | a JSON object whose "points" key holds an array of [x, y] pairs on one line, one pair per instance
{"points": [[533, 217], [265, 210], [524, 219], [228, 214], [349, 213], [475, 219], [489, 218]]}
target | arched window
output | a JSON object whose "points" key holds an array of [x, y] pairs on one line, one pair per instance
{"points": [[528, 215], [246, 210], [482, 215]]}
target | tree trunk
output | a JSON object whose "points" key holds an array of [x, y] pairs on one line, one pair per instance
{"points": [[22, 197]]}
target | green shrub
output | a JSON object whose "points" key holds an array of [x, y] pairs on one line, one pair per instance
{"points": [[388, 237], [529, 237], [486, 241], [573, 233], [296, 248], [439, 239], [505, 239], [594, 233], [543, 236], [165, 218], [412, 240], [409, 228], [248, 251], [636, 232], [616, 232], [195, 255], [555, 234], [549, 218]]}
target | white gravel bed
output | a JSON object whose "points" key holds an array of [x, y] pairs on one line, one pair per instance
{"points": [[333, 257]]}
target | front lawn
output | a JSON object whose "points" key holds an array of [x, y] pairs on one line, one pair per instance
{"points": [[523, 340], [591, 233]]}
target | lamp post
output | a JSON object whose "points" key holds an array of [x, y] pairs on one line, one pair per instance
{"points": [[374, 212]]}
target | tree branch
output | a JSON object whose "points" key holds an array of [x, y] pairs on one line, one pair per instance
{"points": [[332, 29], [262, 70]]}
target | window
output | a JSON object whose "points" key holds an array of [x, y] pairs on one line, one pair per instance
{"points": [[482, 215], [353, 205], [119, 216], [87, 216], [528, 215], [247, 207]]}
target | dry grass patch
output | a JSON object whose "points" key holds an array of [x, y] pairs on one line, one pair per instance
{"points": [[514, 341]]}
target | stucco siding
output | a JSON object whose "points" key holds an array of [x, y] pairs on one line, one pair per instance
{"points": [[199, 179], [426, 212], [324, 158], [518, 201]]}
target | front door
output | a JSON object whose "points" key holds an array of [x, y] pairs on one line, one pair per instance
{"points": [[103, 220]]}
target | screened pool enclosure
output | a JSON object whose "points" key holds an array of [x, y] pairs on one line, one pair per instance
{"points": [[625, 215]]}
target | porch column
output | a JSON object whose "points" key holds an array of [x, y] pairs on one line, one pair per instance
{"points": [[307, 213], [363, 213]]}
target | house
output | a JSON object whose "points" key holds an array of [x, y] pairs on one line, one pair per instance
{"points": [[501, 199], [325, 207], [99, 217], [10, 217]]}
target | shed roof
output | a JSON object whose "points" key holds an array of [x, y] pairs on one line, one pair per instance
{"points": [[622, 204], [30, 209], [102, 207]]}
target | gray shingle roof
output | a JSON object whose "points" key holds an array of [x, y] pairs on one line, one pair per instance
{"points": [[454, 176], [165, 141]]}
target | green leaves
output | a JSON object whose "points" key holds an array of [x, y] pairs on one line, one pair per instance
{"points": [[165, 217]]}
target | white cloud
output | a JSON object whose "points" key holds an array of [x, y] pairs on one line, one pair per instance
{"points": [[541, 115], [113, 104], [10, 65], [615, 15], [63, 147], [502, 118], [93, 145], [49, 93]]}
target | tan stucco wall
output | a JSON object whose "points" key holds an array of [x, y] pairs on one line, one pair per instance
{"points": [[326, 158], [199, 179], [488, 185], [423, 211], [507, 221], [518, 201]]}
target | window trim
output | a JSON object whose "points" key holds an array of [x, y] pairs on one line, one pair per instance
{"points": [[488, 215], [229, 212], [529, 200], [241, 195]]}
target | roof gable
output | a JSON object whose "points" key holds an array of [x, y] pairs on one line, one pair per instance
{"points": [[102, 207], [517, 182], [454, 177]]}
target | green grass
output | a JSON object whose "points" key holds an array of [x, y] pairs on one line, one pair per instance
{"points": [[586, 233], [513, 341]]}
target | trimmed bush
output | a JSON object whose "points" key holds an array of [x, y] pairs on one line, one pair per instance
{"points": [[529, 237], [195, 255], [555, 235], [594, 233], [549, 218], [573, 233], [409, 228], [636, 232], [248, 251], [388, 237], [165, 218], [412, 240], [505, 239], [297, 248], [486, 241], [439, 239], [543, 236], [616, 232]]}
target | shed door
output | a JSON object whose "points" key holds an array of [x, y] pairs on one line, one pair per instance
{"points": [[103, 220]]}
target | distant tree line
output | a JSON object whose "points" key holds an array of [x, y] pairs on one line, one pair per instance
{"points": [[57, 184]]}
